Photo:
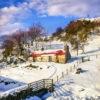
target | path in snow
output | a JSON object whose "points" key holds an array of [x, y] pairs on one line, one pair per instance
{"points": [[84, 85]]}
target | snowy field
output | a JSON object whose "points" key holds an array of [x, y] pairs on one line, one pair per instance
{"points": [[83, 86], [18, 76], [79, 86], [73, 85]]}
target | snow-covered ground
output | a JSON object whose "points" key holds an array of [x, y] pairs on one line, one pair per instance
{"points": [[83, 85], [72, 85], [24, 75]]}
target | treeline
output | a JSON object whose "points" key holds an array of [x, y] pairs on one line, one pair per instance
{"points": [[76, 32], [14, 44]]}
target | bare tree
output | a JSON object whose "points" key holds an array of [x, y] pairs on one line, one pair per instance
{"points": [[18, 37], [8, 48], [35, 32]]}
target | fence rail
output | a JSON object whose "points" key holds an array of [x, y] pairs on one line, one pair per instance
{"points": [[33, 87], [74, 67]]}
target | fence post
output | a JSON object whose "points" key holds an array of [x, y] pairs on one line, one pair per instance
{"points": [[37, 85], [57, 78], [89, 58], [62, 74], [82, 59], [44, 82], [52, 86], [74, 66], [96, 56], [29, 85]]}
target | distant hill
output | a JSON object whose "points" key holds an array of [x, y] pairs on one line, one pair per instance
{"points": [[61, 32], [3, 37], [91, 19]]}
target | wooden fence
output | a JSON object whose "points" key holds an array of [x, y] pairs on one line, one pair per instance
{"points": [[88, 58], [64, 73], [44, 83], [30, 89], [74, 67]]}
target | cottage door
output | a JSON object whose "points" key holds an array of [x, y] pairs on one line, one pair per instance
{"points": [[50, 59]]}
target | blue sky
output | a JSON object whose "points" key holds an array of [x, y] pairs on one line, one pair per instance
{"points": [[20, 14]]}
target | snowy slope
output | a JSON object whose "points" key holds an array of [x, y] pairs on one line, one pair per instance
{"points": [[85, 85], [72, 85]]}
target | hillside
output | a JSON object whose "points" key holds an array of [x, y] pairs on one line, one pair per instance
{"points": [[92, 19], [67, 84], [85, 85]]}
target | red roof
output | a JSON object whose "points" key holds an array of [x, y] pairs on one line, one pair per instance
{"points": [[57, 52]]}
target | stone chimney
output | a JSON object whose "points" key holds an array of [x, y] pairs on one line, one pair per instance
{"points": [[67, 53]]}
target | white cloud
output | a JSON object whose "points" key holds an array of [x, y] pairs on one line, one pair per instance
{"points": [[66, 7], [11, 17], [10, 28], [15, 14], [80, 8]]}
